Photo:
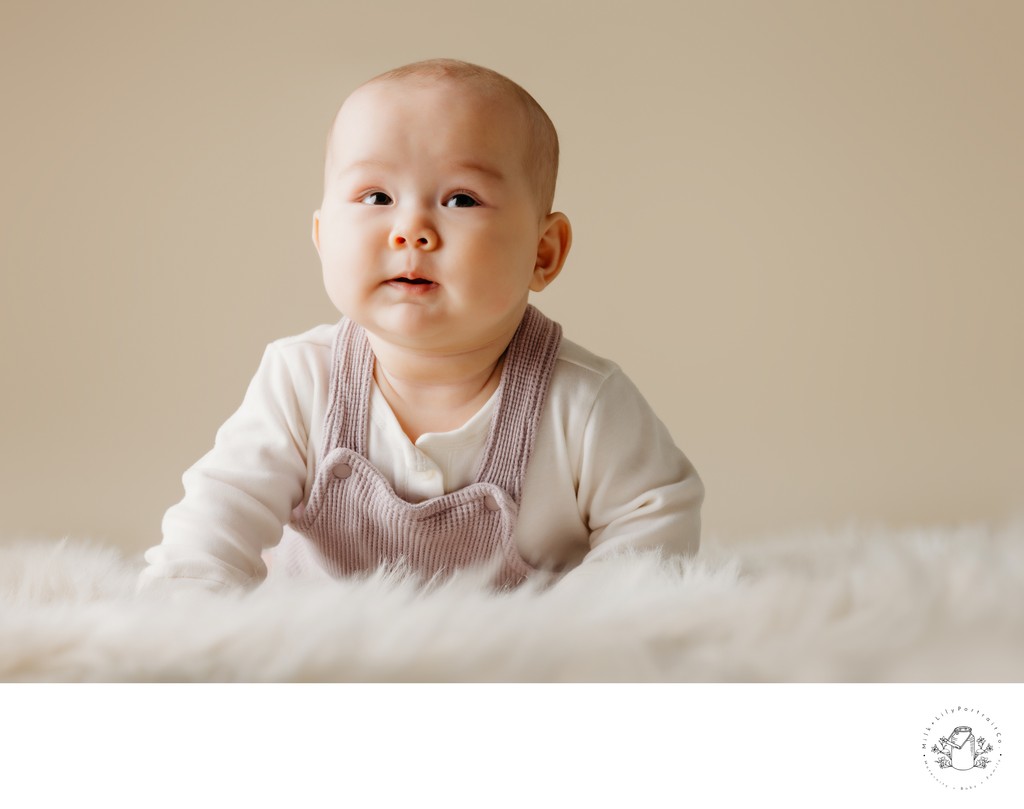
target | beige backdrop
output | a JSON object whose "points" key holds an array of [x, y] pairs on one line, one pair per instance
{"points": [[798, 228]]}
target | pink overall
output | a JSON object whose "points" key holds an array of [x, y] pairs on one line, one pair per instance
{"points": [[354, 521]]}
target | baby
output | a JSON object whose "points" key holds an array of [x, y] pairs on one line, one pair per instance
{"points": [[443, 423]]}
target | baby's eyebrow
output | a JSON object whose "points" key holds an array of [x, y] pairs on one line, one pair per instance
{"points": [[464, 165], [479, 168], [365, 164]]}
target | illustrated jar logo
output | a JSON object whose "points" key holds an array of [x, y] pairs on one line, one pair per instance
{"points": [[966, 757], [959, 750]]}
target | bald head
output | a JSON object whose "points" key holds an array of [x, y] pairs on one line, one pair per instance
{"points": [[540, 152]]}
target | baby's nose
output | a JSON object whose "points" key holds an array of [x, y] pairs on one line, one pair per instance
{"points": [[420, 236]]}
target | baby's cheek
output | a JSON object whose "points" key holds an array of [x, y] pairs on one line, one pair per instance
{"points": [[336, 287], [500, 295]]}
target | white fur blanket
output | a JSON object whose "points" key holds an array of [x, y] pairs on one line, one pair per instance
{"points": [[856, 604]]}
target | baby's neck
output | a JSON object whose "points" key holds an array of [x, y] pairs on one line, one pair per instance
{"points": [[435, 394]]}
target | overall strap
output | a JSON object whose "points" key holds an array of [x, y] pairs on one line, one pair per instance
{"points": [[348, 416], [525, 378]]}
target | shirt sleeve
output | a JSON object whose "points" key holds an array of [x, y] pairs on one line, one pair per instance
{"points": [[637, 490], [241, 493]]}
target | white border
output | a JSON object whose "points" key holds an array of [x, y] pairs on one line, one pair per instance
{"points": [[644, 746]]}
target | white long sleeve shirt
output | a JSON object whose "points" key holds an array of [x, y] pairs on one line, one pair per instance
{"points": [[605, 474]]}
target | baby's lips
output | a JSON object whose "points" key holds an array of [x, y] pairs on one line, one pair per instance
{"points": [[413, 278]]}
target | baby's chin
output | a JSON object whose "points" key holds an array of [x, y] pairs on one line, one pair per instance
{"points": [[414, 329], [439, 337]]}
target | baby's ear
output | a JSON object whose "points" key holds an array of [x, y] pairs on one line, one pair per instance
{"points": [[316, 230], [552, 249]]}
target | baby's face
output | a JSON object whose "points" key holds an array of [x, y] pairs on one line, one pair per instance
{"points": [[429, 227]]}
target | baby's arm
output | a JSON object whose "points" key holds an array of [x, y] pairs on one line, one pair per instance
{"points": [[637, 490], [239, 495]]}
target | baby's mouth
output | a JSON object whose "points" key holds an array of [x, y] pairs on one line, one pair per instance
{"points": [[412, 283]]}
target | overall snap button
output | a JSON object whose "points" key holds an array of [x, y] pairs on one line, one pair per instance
{"points": [[342, 471], [490, 503]]}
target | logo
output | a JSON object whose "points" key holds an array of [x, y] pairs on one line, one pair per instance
{"points": [[962, 748]]}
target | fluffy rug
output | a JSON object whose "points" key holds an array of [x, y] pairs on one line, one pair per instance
{"points": [[858, 604]]}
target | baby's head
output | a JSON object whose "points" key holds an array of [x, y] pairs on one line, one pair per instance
{"points": [[536, 132], [436, 218]]}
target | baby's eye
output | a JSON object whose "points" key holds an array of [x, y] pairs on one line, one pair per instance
{"points": [[376, 198], [460, 201]]}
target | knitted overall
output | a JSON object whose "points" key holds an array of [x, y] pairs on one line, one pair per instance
{"points": [[354, 521]]}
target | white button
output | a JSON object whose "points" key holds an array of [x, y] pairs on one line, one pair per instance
{"points": [[490, 503], [342, 471]]}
